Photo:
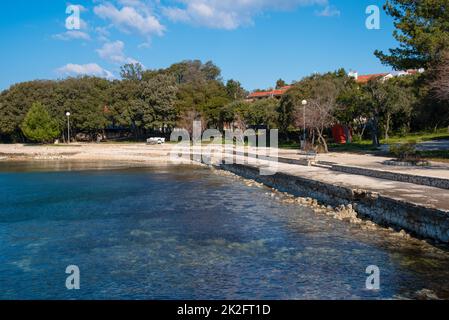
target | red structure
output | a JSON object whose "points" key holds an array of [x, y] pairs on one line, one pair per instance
{"points": [[341, 134], [277, 93]]}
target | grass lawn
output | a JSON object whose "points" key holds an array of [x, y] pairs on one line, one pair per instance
{"points": [[439, 156], [365, 146], [418, 137], [289, 145], [356, 147]]}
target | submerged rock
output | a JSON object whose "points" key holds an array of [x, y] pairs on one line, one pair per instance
{"points": [[425, 294]]}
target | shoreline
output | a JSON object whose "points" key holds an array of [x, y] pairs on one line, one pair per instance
{"points": [[132, 153]]}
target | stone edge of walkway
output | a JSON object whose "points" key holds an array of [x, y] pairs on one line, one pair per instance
{"points": [[441, 183], [418, 219]]}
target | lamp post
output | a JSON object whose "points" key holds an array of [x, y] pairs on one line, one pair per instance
{"points": [[304, 104], [68, 126]]}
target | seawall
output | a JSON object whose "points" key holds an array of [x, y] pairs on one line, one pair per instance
{"points": [[419, 220]]}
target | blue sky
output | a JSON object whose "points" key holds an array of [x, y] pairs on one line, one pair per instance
{"points": [[253, 41]]}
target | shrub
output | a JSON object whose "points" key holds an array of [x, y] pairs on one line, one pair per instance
{"points": [[39, 126], [405, 152]]}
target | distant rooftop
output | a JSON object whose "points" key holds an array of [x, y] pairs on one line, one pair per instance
{"points": [[269, 93], [363, 79]]}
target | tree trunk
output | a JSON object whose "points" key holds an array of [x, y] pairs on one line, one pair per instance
{"points": [[362, 133], [322, 140], [387, 126], [435, 129], [375, 132]]}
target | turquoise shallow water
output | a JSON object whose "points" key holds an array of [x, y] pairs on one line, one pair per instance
{"points": [[187, 233]]}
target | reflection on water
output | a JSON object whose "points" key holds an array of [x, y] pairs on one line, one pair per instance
{"points": [[51, 165], [185, 233]]}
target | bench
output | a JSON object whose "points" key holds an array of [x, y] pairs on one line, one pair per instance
{"points": [[310, 155]]}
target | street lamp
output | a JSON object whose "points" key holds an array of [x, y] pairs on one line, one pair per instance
{"points": [[304, 104], [68, 126]]}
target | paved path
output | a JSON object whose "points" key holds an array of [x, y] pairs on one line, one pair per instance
{"points": [[421, 195], [438, 170], [434, 145]]}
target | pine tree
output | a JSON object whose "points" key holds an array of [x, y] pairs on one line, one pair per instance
{"points": [[39, 126], [422, 30]]}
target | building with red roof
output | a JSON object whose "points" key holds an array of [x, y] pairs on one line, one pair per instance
{"points": [[364, 79], [276, 93]]}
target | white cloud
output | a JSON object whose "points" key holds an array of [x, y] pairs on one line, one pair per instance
{"points": [[133, 16], [102, 33], [144, 45], [329, 11], [227, 14], [114, 52], [91, 69], [72, 35]]}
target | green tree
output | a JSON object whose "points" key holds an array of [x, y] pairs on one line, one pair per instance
{"points": [[193, 71], [388, 99], [262, 113], [235, 90], [39, 126], [126, 106], [280, 83], [17, 100], [352, 108], [286, 108], [422, 29], [321, 93], [159, 94], [211, 71], [397, 101], [86, 98], [234, 114], [131, 71], [439, 78]]}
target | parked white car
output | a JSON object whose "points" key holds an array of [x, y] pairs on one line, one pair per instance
{"points": [[156, 140]]}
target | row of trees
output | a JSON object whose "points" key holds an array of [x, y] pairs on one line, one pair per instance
{"points": [[141, 102], [376, 107], [159, 100]]}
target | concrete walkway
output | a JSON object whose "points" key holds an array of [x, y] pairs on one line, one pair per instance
{"points": [[433, 145], [421, 195], [417, 194], [437, 170]]}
